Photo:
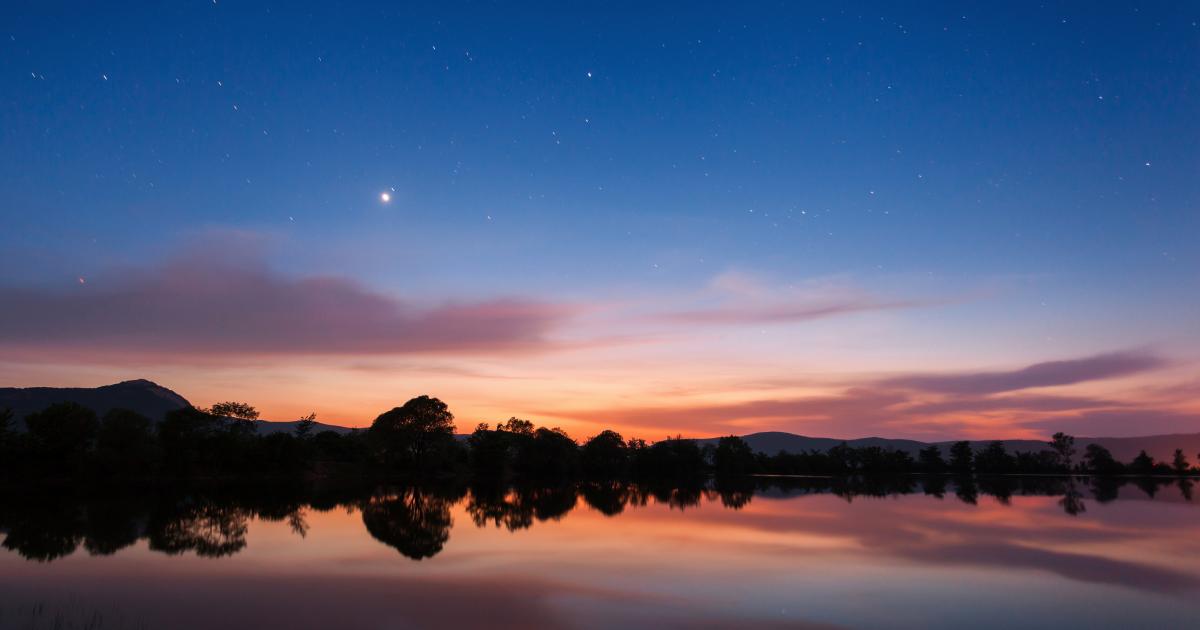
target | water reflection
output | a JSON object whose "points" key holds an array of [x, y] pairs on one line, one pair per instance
{"points": [[416, 521]]}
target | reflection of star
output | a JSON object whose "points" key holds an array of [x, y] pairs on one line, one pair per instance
{"points": [[385, 197]]}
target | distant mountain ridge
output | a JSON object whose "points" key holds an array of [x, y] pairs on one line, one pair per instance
{"points": [[1161, 447], [154, 401], [145, 397]]}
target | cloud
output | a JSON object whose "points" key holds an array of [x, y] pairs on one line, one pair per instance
{"points": [[198, 305], [780, 313], [736, 297], [1046, 374], [841, 413]]}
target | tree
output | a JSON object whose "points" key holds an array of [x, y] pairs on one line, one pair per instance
{"points": [[1180, 463], [243, 416], [733, 456], [1099, 460], [63, 433], [238, 410], [305, 425], [961, 457], [605, 455], [1064, 447], [410, 435], [550, 453], [516, 426], [1143, 464], [994, 459], [125, 442], [6, 457], [931, 460], [187, 437]]}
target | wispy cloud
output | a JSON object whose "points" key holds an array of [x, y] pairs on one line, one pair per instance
{"points": [[739, 298], [1046, 374]]}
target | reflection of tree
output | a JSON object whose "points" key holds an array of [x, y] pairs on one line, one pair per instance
{"points": [[45, 531], [517, 509], [209, 529], [678, 497], [966, 491], [1105, 489], [1185, 488], [999, 487], [111, 525], [934, 485], [415, 522], [608, 498], [735, 492], [1072, 500]]}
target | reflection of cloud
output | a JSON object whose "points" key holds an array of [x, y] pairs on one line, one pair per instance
{"points": [[204, 306], [1019, 535], [1037, 375], [1078, 567]]}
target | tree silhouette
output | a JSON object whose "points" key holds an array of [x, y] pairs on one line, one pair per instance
{"points": [[1064, 448], [304, 425], [125, 442], [961, 457], [409, 436], [994, 459], [1099, 460], [733, 456], [605, 455], [1179, 463], [930, 459], [549, 454], [1143, 464], [238, 410], [62, 434]]}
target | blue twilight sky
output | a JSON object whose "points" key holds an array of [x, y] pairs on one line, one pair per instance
{"points": [[1029, 173]]}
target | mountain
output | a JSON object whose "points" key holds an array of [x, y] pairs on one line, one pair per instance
{"points": [[1161, 447], [145, 397]]}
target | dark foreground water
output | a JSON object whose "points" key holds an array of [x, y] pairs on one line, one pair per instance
{"points": [[907, 553]]}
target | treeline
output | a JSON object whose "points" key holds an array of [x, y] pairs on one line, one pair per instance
{"points": [[994, 459], [418, 439]]}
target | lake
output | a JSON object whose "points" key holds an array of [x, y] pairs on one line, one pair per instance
{"points": [[772, 553]]}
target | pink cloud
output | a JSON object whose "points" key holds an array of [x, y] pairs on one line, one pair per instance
{"points": [[203, 306]]}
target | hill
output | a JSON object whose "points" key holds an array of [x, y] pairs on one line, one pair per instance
{"points": [[145, 397]]}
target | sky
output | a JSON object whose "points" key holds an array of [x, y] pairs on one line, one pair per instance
{"points": [[971, 220]]}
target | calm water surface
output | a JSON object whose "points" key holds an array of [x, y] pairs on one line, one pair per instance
{"points": [[810, 553]]}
